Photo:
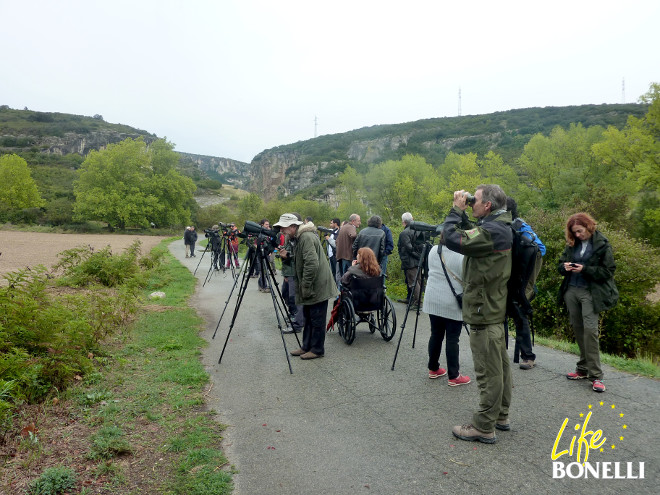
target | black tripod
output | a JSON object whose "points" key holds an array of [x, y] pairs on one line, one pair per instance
{"points": [[258, 256], [421, 275]]}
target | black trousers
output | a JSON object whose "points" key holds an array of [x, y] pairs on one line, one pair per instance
{"points": [[314, 331], [440, 326]]}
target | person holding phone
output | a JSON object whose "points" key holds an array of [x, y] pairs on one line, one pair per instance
{"points": [[588, 288]]}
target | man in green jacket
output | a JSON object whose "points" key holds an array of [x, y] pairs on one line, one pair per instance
{"points": [[314, 283], [486, 246]]}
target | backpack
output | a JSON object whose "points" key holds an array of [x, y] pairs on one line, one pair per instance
{"points": [[525, 266]]}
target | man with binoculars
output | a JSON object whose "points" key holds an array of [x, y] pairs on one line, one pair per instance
{"points": [[486, 246]]}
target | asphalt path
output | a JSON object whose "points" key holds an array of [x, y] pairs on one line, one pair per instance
{"points": [[347, 423]]}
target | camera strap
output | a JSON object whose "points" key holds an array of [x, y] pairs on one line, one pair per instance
{"points": [[459, 299]]}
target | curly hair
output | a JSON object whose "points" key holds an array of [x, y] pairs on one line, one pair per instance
{"points": [[368, 262], [583, 219]]}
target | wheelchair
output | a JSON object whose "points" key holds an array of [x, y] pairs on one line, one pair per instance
{"points": [[364, 301]]}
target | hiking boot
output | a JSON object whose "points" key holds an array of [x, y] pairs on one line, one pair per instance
{"points": [[310, 355], [527, 364], [437, 373], [598, 386], [471, 434], [459, 380], [576, 375], [298, 352], [503, 425]]}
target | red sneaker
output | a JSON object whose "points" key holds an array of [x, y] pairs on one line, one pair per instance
{"points": [[576, 375], [437, 373], [459, 380], [598, 386]]}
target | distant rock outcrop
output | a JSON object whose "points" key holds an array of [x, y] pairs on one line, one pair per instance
{"points": [[229, 171], [82, 144]]}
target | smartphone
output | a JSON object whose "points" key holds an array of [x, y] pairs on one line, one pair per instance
{"points": [[574, 265]]}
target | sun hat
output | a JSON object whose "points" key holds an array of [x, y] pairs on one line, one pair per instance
{"points": [[287, 219]]}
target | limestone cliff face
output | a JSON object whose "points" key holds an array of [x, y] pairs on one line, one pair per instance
{"points": [[275, 172], [71, 142], [232, 171], [372, 150]]}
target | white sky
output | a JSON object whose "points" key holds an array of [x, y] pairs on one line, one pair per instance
{"points": [[233, 78]]}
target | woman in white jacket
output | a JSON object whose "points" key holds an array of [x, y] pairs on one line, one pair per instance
{"points": [[444, 312]]}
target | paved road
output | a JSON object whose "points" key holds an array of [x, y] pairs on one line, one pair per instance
{"points": [[348, 423]]}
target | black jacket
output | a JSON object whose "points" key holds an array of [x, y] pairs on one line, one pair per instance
{"points": [[598, 272], [410, 246], [373, 238]]}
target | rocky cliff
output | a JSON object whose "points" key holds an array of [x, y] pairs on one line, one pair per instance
{"points": [[225, 169], [312, 164]]}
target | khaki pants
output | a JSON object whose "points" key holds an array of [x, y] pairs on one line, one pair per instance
{"points": [[413, 288], [491, 365], [585, 327]]}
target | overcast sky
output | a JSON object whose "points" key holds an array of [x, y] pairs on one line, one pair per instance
{"points": [[233, 78]]}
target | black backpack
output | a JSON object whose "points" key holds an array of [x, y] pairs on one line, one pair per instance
{"points": [[525, 265]]}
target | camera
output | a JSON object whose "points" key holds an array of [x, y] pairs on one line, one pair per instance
{"points": [[325, 230], [211, 233], [432, 230], [469, 199]]}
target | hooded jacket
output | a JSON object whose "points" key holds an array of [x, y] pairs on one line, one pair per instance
{"points": [[314, 281], [486, 246], [598, 272]]}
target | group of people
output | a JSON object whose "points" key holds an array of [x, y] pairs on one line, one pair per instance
{"points": [[588, 288], [468, 274], [189, 240]]}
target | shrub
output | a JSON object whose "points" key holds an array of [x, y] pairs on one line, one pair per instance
{"points": [[83, 266], [54, 481]]}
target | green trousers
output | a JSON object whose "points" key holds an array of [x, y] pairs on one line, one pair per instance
{"points": [[585, 327], [491, 364]]}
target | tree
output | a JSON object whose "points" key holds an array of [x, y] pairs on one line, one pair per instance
{"points": [[132, 184], [634, 153], [18, 189], [249, 207]]}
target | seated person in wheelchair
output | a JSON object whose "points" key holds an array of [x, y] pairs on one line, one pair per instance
{"points": [[365, 266]]}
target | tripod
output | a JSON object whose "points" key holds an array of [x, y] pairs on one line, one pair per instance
{"points": [[421, 275], [258, 256]]}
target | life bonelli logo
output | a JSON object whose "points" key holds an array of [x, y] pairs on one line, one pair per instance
{"points": [[572, 455]]}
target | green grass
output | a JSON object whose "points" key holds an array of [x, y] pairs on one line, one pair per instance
{"points": [[153, 374], [641, 365]]}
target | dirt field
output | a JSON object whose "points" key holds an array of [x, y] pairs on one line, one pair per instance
{"points": [[22, 249]]}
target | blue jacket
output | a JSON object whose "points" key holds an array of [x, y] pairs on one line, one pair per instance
{"points": [[389, 240]]}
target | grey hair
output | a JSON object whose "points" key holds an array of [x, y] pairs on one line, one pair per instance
{"points": [[353, 217], [406, 217], [375, 221], [494, 194]]}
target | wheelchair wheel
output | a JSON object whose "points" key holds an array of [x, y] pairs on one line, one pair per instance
{"points": [[387, 320], [346, 321]]}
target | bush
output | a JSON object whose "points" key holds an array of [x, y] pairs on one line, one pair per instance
{"points": [[48, 339], [54, 481], [83, 266]]}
